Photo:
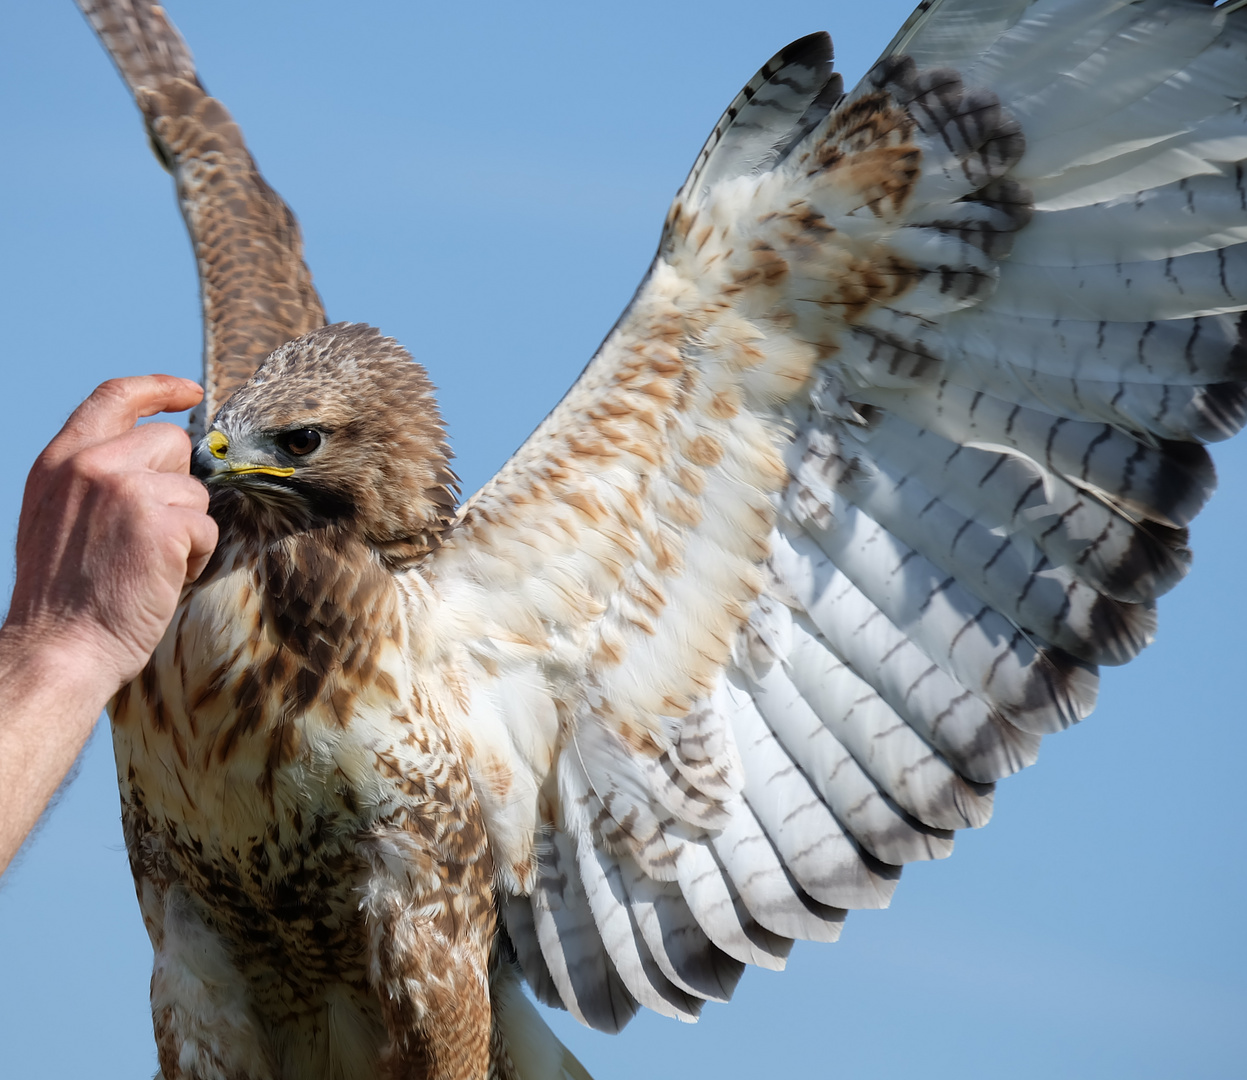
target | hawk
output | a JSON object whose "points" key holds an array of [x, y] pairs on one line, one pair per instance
{"points": [[896, 443]]}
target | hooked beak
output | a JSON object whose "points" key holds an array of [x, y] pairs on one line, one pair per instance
{"points": [[214, 461]]}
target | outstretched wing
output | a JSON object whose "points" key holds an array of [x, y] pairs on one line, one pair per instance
{"points": [[256, 291], [896, 443]]}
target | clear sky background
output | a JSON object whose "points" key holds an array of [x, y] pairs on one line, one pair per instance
{"points": [[486, 183]]}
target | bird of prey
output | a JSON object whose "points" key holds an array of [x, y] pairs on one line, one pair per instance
{"points": [[896, 443]]}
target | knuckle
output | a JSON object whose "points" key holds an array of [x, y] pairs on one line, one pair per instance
{"points": [[185, 487], [106, 475], [172, 437], [45, 464], [85, 466], [113, 391], [118, 486]]}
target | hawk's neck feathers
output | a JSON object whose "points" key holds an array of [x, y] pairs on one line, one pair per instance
{"points": [[897, 442]]}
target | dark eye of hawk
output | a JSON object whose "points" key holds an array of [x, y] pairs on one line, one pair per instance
{"points": [[299, 443]]}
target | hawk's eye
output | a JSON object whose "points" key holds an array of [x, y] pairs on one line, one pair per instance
{"points": [[300, 443]]}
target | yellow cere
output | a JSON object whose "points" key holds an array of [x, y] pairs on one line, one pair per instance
{"points": [[218, 445]]}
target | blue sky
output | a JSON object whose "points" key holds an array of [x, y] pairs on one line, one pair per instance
{"points": [[486, 183]]}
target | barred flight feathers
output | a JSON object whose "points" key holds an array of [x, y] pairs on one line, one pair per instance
{"points": [[256, 291], [896, 444]]}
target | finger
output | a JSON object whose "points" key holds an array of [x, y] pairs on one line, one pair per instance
{"points": [[163, 448], [115, 406], [174, 489], [143, 451], [201, 535], [173, 394]]}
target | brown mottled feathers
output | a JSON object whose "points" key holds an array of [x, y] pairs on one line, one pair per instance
{"points": [[376, 407], [257, 293], [896, 443]]}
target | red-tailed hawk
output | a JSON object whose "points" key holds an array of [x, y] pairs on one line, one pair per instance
{"points": [[897, 441]]}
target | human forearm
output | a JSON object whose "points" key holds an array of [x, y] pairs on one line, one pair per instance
{"points": [[50, 697]]}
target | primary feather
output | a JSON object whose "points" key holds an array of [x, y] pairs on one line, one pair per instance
{"points": [[896, 443], [257, 292]]}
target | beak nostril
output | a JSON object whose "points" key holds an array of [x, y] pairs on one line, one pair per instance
{"points": [[218, 445]]}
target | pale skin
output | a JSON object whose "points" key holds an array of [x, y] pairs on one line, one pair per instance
{"points": [[112, 527]]}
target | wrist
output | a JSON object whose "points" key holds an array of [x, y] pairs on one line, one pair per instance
{"points": [[33, 659]]}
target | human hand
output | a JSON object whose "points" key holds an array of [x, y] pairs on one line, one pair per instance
{"points": [[112, 527]]}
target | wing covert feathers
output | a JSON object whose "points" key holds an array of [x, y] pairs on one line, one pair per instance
{"points": [[256, 291], [898, 442]]}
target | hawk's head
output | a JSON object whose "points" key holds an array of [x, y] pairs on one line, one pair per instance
{"points": [[338, 427]]}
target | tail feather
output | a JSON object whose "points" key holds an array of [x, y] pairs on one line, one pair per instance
{"points": [[524, 1046]]}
